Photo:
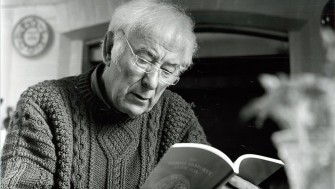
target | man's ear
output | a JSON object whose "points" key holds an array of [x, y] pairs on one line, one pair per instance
{"points": [[107, 47]]}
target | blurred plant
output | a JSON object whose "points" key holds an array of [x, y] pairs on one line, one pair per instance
{"points": [[306, 99], [304, 107]]}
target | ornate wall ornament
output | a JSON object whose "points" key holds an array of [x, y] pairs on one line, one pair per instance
{"points": [[31, 36]]}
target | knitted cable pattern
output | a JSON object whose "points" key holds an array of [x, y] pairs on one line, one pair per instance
{"points": [[38, 108], [63, 136]]}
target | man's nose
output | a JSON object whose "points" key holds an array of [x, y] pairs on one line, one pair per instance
{"points": [[150, 80]]}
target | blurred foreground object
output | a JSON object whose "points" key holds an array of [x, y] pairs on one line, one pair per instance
{"points": [[304, 107], [327, 31]]}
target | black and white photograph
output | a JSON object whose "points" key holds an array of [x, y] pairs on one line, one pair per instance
{"points": [[167, 94]]}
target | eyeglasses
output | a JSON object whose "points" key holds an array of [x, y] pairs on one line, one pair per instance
{"points": [[168, 75]]}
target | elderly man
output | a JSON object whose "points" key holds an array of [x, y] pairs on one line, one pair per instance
{"points": [[108, 128]]}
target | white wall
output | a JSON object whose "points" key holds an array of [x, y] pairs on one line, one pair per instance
{"points": [[18, 72], [68, 20]]}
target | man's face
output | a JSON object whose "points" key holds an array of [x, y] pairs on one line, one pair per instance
{"points": [[132, 91]]}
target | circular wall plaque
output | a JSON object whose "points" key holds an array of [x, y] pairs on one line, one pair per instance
{"points": [[31, 36]]}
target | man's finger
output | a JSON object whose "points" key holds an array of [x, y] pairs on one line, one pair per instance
{"points": [[240, 183]]}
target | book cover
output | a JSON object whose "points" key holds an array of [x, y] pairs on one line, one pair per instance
{"points": [[199, 166]]}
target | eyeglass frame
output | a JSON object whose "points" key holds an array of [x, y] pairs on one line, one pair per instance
{"points": [[159, 70]]}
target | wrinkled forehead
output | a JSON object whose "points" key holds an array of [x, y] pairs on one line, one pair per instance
{"points": [[172, 37]]}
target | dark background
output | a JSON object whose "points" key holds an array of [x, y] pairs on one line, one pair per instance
{"points": [[218, 88]]}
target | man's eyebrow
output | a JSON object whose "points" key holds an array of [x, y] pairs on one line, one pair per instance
{"points": [[149, 51], [174, 64], [153, 54]]}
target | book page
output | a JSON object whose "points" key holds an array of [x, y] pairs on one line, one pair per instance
{"points": [[207, 148], [256, 168], [189, 168]]}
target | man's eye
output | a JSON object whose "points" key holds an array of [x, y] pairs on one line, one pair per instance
{"points": [[145, 55], [169, 68], [141, 60], [167, 72], [142, 63]]}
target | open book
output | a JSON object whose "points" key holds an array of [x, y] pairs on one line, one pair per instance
{"points": [[199, 166]]}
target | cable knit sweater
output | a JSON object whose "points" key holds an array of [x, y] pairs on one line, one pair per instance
{"points": [[62, 136]]}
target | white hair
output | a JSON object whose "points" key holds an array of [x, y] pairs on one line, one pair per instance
{"points": [[153, 16]]}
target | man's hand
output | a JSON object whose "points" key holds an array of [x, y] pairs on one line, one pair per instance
{"points": [[239, 183]]}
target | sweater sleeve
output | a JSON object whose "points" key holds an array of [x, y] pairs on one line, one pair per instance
{"points": [[195, 132], [182, 125], [28, 159]]}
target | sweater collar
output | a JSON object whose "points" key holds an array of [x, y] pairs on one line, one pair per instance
{"points": [[90, 88], [96, 84]]}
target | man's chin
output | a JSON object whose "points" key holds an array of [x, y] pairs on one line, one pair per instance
{"points": [[135, 111]]}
